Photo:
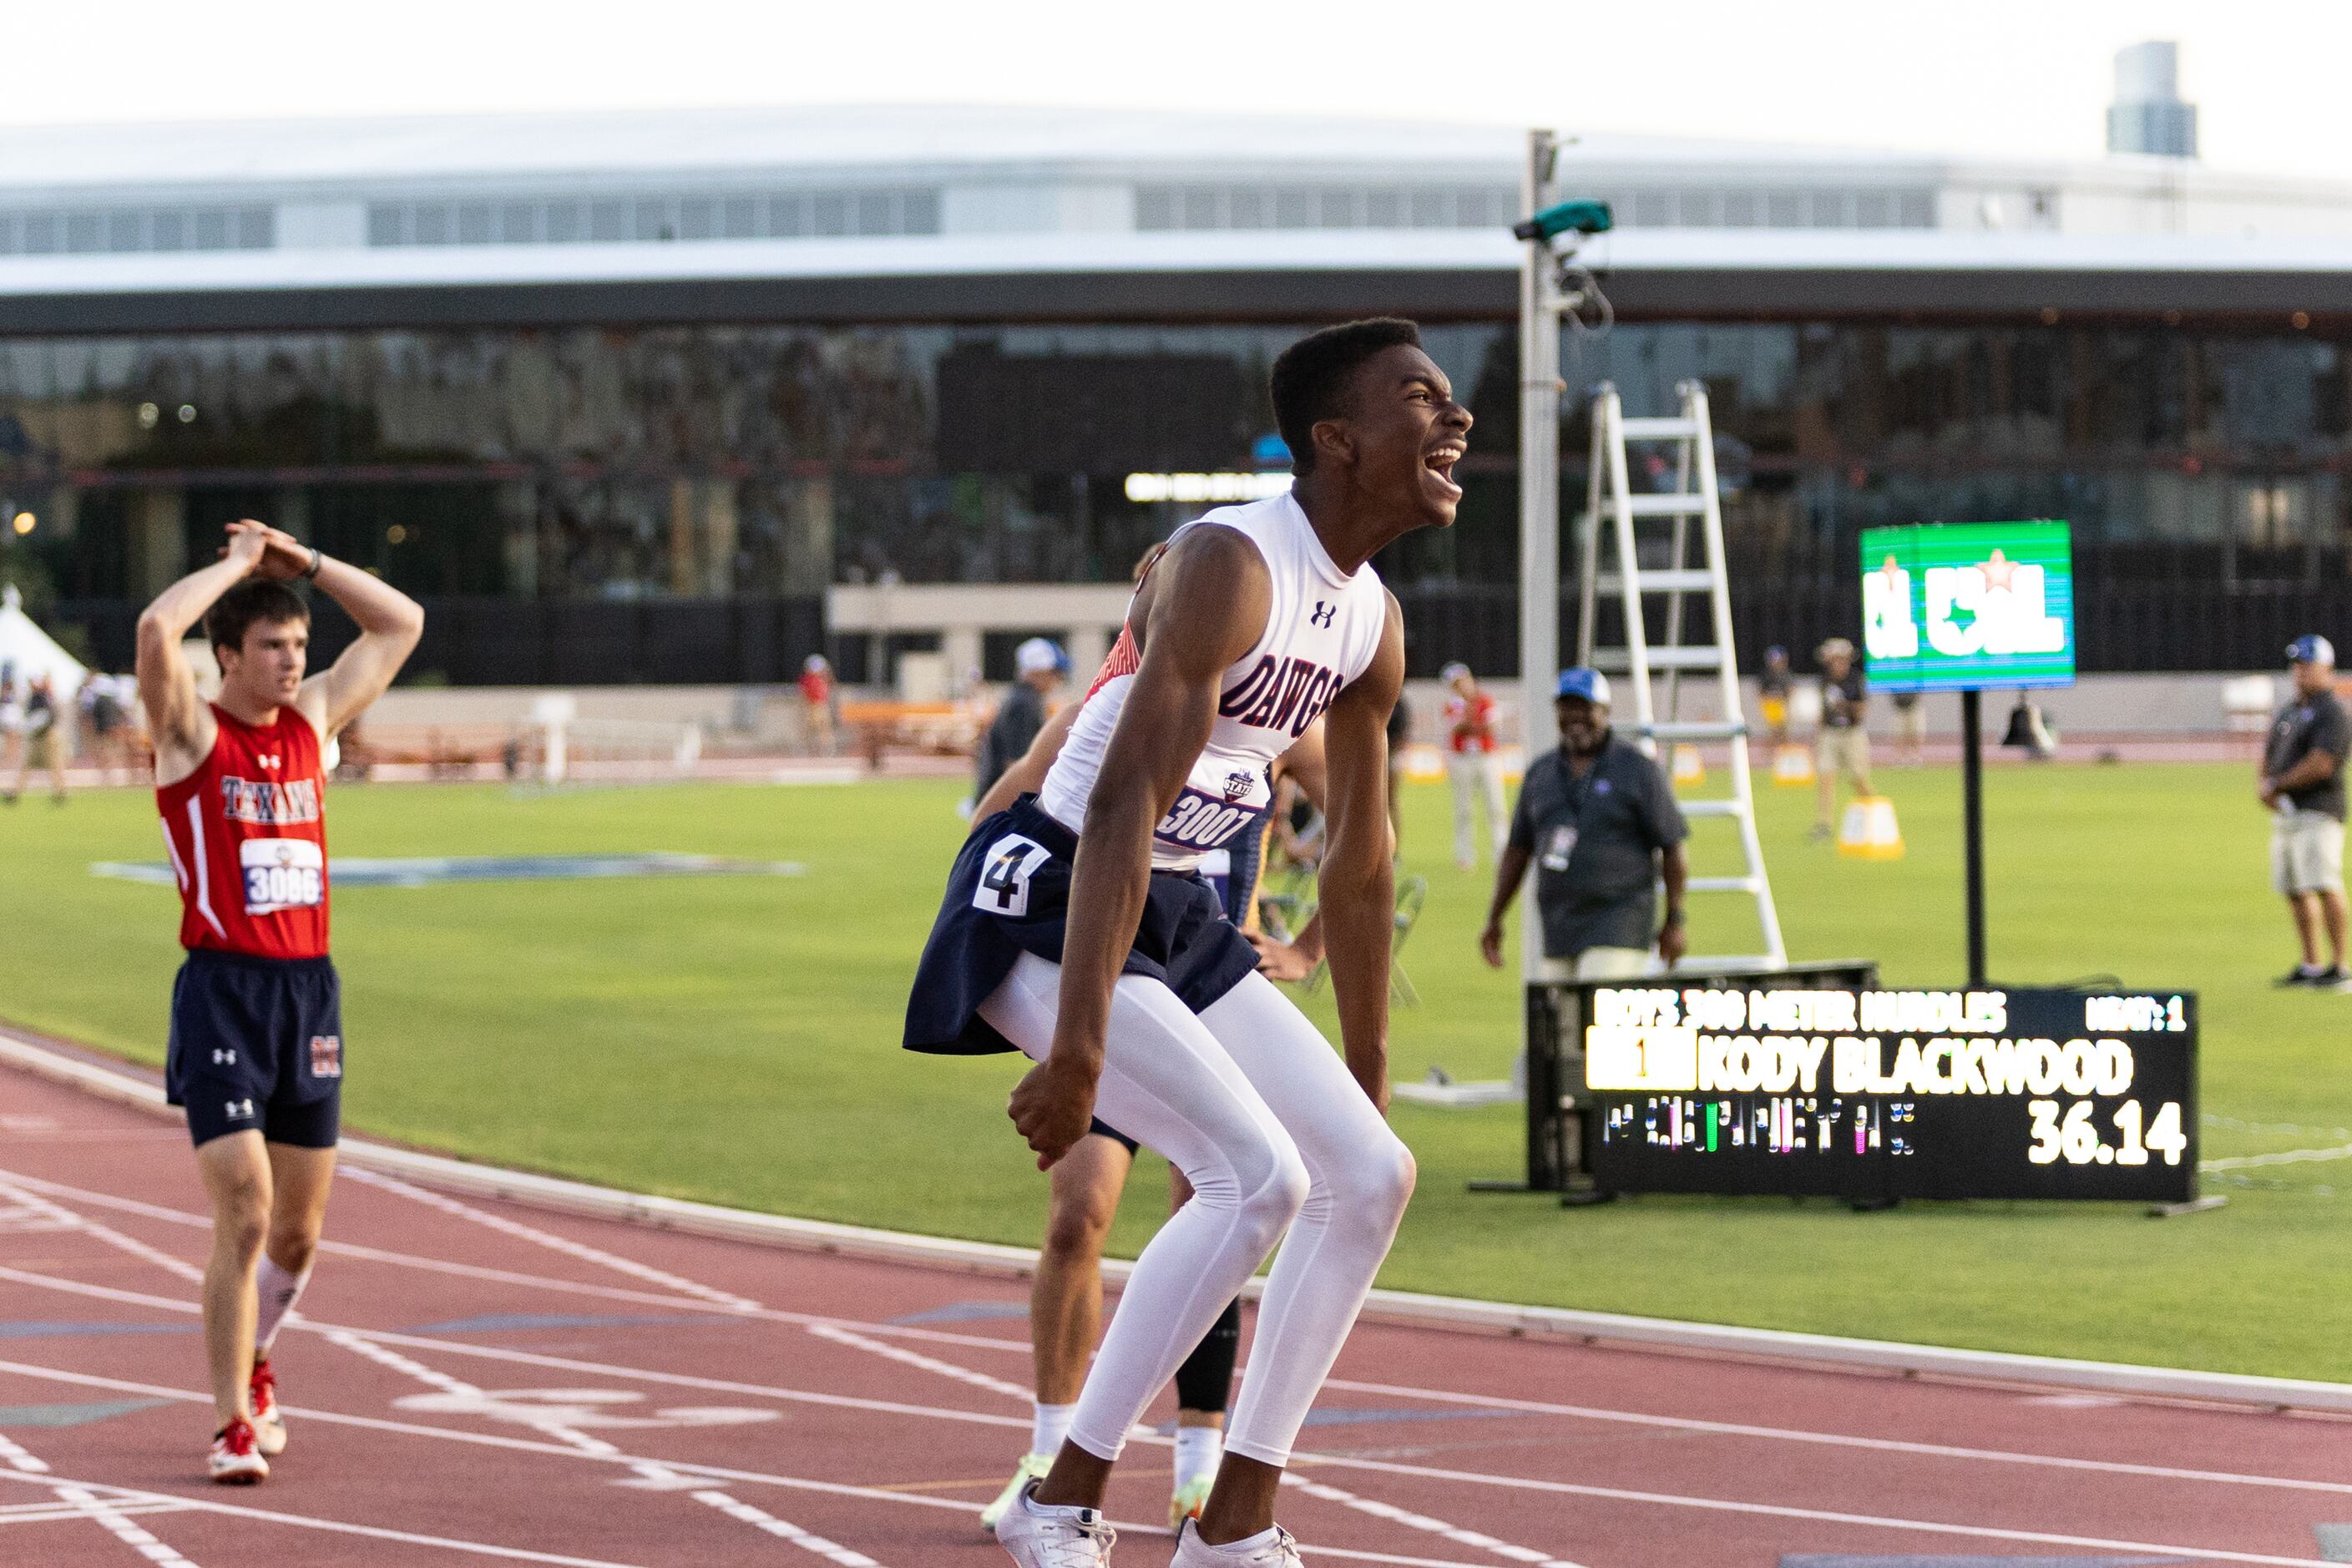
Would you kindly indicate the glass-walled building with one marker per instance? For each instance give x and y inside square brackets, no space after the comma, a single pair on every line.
[647,459]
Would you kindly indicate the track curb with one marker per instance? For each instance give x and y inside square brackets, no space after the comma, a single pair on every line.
[111,1080]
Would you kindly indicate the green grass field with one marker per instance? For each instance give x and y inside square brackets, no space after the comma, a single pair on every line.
[735,1039]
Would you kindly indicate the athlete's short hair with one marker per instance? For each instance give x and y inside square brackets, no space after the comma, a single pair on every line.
[1310,377]
[255,599]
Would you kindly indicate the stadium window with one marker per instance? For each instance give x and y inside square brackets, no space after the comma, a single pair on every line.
[832,214]
[923,211]
[518,223]
[1830,210]
[565,223]
[1739,209]
[650,220]
[40,234]
[383,225]
[874,214]
[1200,208]
[1336,209]
[608,221]
[1247,209]
[788,217]
[697,218]
[1874,209]
[81,233]
[429,225]
[1428,209]
[168,232]
[121,231]
[1291,209]
[1155,208]
[7,234]
[1383,209]
[739,218]
[1914,209]
[257,228]
[1652,209]
[1784,209]
[212,229]
[473,224]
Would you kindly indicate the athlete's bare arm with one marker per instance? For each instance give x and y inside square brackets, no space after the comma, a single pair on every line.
[390,622]
[1027,775]
[178,722]
[1359,882]
[1203,608]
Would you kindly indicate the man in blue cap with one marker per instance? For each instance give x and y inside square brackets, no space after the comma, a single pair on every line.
[1038,665]
[1598,819]
[2302,783]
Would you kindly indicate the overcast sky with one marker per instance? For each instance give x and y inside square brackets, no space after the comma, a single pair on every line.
[1992,77]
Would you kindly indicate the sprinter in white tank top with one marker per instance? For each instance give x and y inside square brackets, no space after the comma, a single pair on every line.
[1257,618]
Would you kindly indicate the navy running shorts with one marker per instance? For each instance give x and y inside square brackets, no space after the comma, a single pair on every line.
[1098,1128]
[257,1046]
[1010,894]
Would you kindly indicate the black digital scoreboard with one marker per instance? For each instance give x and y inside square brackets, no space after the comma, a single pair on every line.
[1875,1095]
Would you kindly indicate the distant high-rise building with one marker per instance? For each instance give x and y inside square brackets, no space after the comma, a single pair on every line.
[2148,115]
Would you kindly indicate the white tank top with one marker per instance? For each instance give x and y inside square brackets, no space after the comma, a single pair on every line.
[1323,631]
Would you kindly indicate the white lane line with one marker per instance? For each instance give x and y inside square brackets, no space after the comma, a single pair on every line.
[57,1512]
[344,1527]
[119,1525]
[759,1519]
[1424,1523]
[178,1267]
[510,1277]
[929,1363]
[1018,1347]
[549,1239]
[2279,1157]
[1840,1440]
[20,1458]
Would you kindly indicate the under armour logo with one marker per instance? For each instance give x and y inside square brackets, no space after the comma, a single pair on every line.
[1322,614]
[269,762]
[223,1058]
[238,1110]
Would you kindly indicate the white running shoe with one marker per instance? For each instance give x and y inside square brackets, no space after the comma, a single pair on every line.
[268,1426]
[1032,1467]
[1191,1552]
[1044,1536]
[236,1460]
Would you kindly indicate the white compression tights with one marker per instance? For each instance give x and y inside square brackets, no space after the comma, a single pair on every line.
[1252,1104]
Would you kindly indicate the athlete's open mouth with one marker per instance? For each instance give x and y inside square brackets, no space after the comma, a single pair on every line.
[1440,460]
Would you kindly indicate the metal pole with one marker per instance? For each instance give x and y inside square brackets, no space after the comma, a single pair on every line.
[1539,501]
[1972,824]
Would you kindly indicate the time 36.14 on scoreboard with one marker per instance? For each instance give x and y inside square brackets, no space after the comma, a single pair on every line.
[1893,1094]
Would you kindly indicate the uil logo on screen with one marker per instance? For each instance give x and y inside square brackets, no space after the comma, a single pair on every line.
[326,1055]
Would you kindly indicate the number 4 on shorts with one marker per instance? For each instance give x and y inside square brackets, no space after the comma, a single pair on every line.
[1004,875]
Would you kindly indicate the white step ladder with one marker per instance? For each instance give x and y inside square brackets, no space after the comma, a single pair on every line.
[1611,508]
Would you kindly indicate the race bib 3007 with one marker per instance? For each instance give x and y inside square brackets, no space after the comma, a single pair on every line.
[1200,821]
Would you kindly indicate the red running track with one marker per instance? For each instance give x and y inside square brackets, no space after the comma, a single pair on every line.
[474,1382]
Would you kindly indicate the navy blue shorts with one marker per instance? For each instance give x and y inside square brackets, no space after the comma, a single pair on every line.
[1010,894]
[257,1046]
[1098,1128]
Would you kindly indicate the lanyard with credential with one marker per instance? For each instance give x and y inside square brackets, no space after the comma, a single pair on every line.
[1561,844]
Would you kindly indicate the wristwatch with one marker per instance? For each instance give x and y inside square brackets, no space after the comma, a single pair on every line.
[318,559]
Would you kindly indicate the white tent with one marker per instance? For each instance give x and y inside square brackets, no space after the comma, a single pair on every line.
[30,651]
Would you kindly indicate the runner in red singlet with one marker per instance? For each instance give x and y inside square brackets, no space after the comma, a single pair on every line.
[257,1049]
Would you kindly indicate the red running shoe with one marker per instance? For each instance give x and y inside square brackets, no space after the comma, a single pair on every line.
[269,1426]
[235,1459]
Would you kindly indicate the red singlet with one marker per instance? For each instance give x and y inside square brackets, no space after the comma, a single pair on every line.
[247,835]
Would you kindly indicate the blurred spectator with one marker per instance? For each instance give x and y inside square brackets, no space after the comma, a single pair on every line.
[1598,819]
[1843,746]
[1040,664]
[2303,782]
[1471,764]
[1772,689]
[1910,730]
[37,743]
[105,701]
[12,720]
[816,704]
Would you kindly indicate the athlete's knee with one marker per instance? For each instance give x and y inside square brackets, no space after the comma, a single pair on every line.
[1371,1184]
[1077,1228]
[241,1219]
[1280,1191]
[293,1242]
